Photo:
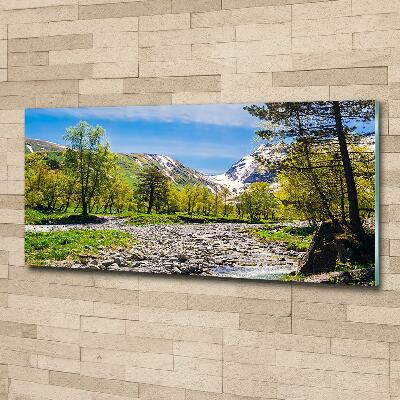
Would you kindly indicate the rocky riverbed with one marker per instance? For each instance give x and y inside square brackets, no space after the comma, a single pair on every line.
[221,249]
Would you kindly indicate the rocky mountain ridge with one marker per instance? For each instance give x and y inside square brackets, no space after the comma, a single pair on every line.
[248,169]
[237,178]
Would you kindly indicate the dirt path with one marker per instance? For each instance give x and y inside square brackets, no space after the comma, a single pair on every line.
[203,249]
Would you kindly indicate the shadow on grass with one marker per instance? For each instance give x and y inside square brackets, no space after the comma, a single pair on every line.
[34,217]
[80,219]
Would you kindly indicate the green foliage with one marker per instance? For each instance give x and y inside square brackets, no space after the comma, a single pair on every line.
[85,177]
[293,277]
[299,197]
[45,182]
[89,161]
[144,219]
[313,119]
[348,266]
[35,217]
[181,218]
[304,231]
[210,218]
[153,188]
[257,202]
[44,247]
[320,174]
[129,168]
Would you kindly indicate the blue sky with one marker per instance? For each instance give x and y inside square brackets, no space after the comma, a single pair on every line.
[208,138]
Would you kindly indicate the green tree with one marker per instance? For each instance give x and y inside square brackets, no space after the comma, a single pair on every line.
[172,201]
[225,194]
[298,195]
[152,187]
[36,174]
[257,201]
[218,198]
[46,183]
[89,159]
[206,200]
[313,123]
[190,197]
[116,196]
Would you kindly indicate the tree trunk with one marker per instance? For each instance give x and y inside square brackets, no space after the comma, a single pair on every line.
[67,203]
[342,200]
[84,207]
[354,212]
[315,181]
[151,201]
[313,177]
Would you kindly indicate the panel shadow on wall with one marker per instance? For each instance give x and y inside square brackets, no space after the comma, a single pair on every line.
[281,191]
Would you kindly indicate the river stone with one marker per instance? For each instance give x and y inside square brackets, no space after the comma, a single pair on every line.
[212,249]
[182,258]
[107,263]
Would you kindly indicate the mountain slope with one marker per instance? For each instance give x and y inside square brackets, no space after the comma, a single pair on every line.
[180,174]
[34,145]
[248,170]
[132,164]
[238,177]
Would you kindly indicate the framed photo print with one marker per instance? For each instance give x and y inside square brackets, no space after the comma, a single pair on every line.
[265,191]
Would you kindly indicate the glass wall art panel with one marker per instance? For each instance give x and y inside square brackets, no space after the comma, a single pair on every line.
[279,191]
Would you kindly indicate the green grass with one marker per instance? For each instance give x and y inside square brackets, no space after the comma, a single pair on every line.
[129,168]
[293,278]
[294,238]
[42,247]
[299,231]
[180,218]
[347,266]
[210,218]
[143,219]
[34,217]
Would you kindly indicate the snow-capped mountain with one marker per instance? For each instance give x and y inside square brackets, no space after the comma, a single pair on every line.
[178,173]
[238,177]
[244,172]
[368,141]
[248,169]
[33,145]
[132,164]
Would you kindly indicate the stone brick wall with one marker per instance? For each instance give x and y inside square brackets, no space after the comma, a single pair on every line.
[69,335]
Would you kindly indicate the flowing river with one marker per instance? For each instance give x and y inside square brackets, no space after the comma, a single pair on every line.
[214,249]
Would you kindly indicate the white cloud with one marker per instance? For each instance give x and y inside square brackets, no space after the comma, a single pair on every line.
[216,114]
[178,148]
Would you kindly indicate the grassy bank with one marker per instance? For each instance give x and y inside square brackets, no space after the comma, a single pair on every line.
[34,217]
[44,247]
[179,218]
[294,238]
